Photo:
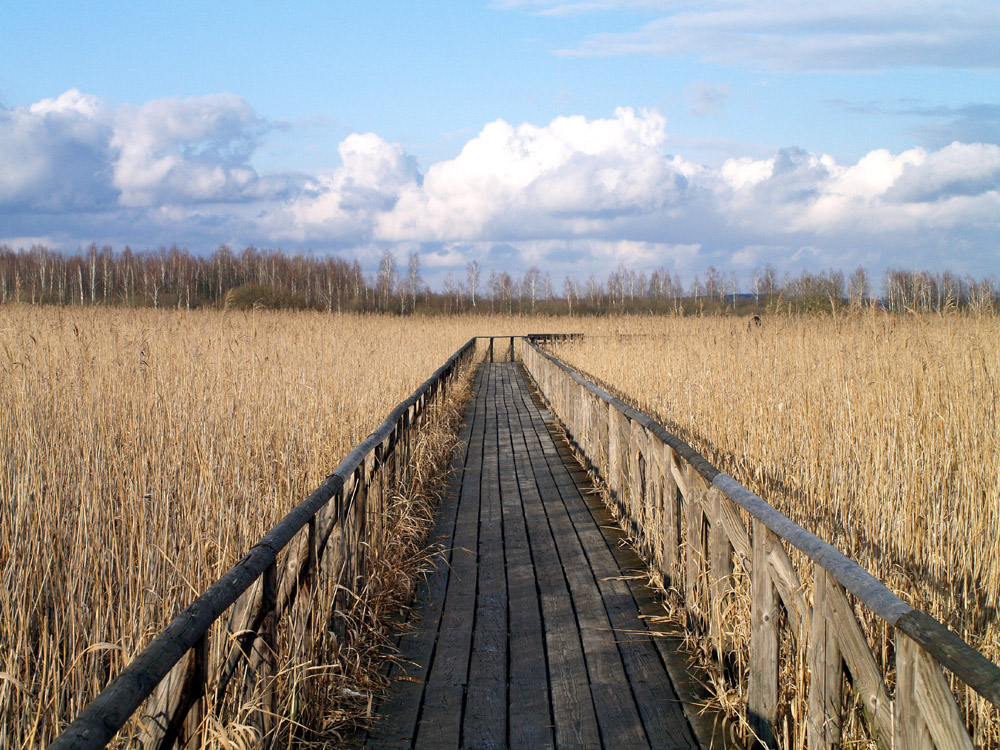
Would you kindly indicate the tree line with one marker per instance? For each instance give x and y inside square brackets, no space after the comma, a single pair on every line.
[260,278]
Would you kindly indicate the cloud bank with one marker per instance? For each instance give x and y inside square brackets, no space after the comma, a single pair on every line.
[575,195]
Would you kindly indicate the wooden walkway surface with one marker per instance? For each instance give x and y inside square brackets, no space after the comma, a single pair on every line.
[530,635]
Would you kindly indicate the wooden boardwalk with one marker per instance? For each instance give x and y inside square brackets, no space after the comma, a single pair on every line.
[530,635]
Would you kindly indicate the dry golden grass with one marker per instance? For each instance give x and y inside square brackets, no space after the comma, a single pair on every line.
[143,452]
[878,433]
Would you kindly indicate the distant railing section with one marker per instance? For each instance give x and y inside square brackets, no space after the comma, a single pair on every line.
[322,545]
[684,516]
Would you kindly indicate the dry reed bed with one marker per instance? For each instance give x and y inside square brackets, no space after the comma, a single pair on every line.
[878,433]
[143,452]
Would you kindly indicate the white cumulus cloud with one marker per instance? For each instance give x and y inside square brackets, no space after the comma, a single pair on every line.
[75,152]
[574,195]
[185,150]
[571,176]
[54,154]
[348,200]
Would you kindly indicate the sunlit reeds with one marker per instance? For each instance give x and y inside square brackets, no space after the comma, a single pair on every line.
[143,452]
[877,432]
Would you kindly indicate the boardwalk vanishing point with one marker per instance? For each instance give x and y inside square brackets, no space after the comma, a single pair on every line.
[529,633]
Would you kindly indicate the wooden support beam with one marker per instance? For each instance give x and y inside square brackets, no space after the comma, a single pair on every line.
[193,735]
[763,689]
[937,704]
[614,476]
[671,519]
[909,728]
[866,676]
[721,570]
[826,671]
[696,554]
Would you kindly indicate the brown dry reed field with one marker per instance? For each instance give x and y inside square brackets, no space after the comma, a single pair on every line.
[142,452]
[879,433]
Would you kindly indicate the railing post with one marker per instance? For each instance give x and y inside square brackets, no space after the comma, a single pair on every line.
[826,669]
[187,716]
[763,689]
[696,549]
[302,628]
[925,711]
[671,517]
[264,654]
[613,477]
[638,470]
[909,729]
[721,560]
[199,676]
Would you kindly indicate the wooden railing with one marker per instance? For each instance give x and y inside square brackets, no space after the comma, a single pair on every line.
[684,516]
[323,543]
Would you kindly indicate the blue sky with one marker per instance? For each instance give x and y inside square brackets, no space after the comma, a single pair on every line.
[570,135]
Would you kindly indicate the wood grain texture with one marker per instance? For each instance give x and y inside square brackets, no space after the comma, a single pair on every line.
[826,673]
[763,689]
[536,639]
[909,729]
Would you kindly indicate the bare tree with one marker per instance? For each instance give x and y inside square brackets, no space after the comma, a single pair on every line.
[472,279]
[756,280]
[715,285]
[569,289]
[494,287]
[858,287]
[531,284]
[594,291]
[386,280]
[449,291]
[506,285]
[769,281]
[413,279]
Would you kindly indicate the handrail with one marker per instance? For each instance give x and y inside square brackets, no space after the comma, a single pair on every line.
[649,484]
[106,714]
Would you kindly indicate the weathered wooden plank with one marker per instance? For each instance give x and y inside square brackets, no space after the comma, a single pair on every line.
[671,519]
[695,550]
[721,569]
[786,581]
[485,715]
[762,698]
[909,729]
[826,673]
[662,718]
[953,653]
[735,529]
[530,717]
[865,673]
[407,676]
[617,713]
[941,714]
[573,709]
[441,716]
[615,471]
